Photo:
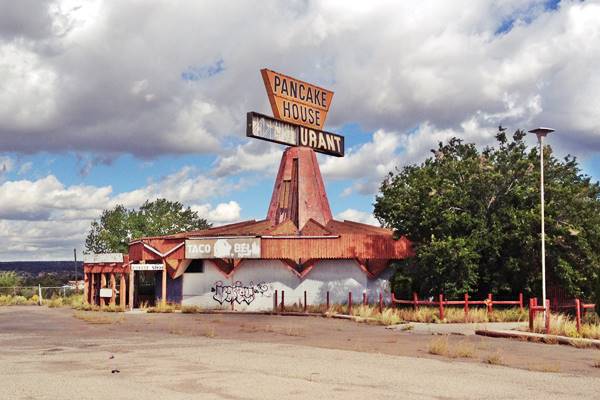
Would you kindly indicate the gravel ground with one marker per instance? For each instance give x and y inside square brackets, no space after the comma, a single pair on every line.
[49,354]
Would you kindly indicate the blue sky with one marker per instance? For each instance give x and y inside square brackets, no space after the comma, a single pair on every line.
[105,103]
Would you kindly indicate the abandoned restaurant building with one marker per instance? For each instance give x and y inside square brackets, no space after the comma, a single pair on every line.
[298,248]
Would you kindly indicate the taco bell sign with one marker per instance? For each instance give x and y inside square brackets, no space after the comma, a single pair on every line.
[238,247]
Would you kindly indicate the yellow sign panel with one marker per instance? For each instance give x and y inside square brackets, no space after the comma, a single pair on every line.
[296,101]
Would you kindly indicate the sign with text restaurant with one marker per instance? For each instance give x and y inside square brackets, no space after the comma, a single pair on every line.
[266,128]
[300,109]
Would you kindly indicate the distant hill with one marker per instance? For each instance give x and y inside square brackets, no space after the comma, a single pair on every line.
[36,267]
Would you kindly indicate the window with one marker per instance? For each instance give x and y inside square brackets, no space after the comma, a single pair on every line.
[195,267]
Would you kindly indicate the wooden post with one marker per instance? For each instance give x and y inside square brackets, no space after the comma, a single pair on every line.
[305,309]
[131,288]
[93,288]
[86,287]
[349,303]
[113,287]
[164,284]
[578,314]
[380,302]
[521,301]
[282,300]
[490,302]
[327,301]
[102,285]
[364,298]
[415,300]
[275,302]
[441,297]
[547,316]
[122,291]
[531,314]
[466,304]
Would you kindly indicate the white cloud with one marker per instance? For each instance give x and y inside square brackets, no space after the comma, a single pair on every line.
[351,214]
[221,214]
[181,82]
[254,156]
[45,219]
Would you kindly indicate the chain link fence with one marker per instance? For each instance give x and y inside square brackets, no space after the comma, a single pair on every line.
[34,294]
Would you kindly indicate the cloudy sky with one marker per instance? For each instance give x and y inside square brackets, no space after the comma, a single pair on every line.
[105,103]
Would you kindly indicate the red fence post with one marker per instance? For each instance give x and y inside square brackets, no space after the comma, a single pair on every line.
[364,298]
[490,302]
[578,314]
[282,300]
[441,307]
[327,301]
[349,303]
[416,300]
[466,304]
[521,301]
[531,314]
[275,302]
[305,301]
[547,316]
[380,302]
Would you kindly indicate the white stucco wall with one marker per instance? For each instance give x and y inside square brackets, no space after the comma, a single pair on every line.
[258,280]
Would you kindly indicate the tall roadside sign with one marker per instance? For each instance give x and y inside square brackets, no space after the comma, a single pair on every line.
[300,111]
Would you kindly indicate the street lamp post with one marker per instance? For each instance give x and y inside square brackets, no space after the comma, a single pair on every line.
[541,134]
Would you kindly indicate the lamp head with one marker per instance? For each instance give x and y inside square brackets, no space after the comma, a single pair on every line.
[541,131]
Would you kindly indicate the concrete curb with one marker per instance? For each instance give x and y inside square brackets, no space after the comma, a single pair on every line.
[540,338]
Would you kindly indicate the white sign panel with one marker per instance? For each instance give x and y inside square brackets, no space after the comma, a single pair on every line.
[147,267]
[106,292]
[103,258]
[242,247]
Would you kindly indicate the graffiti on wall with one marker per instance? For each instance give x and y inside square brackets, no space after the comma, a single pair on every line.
[238,292]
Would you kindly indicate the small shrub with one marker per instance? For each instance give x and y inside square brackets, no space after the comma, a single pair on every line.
[191,309]
[54,302]
[465,350]
[544,367]
[438,346]
[494,359]
[163,308]
[209,332]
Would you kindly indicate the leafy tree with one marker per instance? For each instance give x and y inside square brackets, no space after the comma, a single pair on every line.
[118,226]
[10,279]
[474,220]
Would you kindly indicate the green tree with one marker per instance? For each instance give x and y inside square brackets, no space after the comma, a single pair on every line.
[474,220]
[118,226]
[10,279]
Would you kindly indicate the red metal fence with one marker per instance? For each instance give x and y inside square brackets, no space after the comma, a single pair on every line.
[442,303]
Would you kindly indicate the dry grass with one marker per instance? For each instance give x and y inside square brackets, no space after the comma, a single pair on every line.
[494,358]
[163,308]
[465,350]
[438,346]
[209,332]
[554,367]
[191,309]
[564,325]
[293,331]
[93,318]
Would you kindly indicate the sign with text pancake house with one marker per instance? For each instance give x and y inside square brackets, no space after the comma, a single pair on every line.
[296,101]
[273,130]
